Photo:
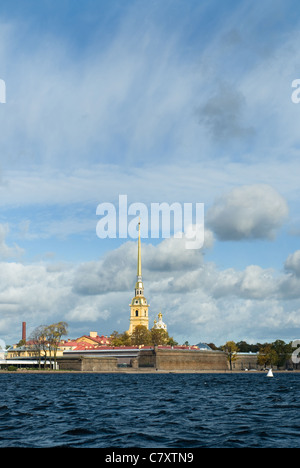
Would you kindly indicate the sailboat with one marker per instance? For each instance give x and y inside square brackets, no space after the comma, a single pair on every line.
[270,373]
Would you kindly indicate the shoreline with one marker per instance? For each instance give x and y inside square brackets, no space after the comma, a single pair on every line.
[146,371]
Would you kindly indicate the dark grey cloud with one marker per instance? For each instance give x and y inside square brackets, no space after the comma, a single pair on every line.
[223,113]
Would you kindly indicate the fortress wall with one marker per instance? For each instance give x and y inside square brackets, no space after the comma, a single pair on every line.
[160,359]
[246,361]
[194,360]
[99,364]
[70,363]
[89,363]
[147,358]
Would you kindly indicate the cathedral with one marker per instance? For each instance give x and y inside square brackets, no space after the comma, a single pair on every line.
[139,305]
[160,325]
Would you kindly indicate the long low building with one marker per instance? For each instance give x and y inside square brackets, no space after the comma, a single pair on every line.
[24,362]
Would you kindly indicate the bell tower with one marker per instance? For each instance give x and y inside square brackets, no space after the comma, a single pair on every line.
[139,306]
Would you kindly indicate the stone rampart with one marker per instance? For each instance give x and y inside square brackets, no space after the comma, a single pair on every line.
[183,360]
[89,363]
[152,359]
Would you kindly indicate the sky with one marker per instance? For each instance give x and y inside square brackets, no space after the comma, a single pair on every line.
[170,101]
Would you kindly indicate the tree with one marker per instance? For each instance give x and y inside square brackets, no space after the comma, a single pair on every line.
[120,339]
[212,346]
[38,343]
[171,341]
[283,352]
[161,337]
[244,347]
[141,336]
[231,349]
[267,355]
[46,338]
[274,354]
[54,333]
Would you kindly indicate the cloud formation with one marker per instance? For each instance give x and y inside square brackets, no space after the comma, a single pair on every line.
[292,263]
[248,212]
[222,115]
[214,303]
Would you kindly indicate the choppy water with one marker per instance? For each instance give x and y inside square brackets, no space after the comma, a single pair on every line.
[150,410]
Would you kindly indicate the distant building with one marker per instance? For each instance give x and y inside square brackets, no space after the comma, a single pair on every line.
[93,339]
[85,342]
[203,346]
[160,325]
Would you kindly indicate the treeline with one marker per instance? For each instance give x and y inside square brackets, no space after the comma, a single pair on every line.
[242,347]
[276,354]
[142,336]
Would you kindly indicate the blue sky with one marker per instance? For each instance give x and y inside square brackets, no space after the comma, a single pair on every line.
[173,101]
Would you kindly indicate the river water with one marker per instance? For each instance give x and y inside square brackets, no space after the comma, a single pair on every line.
[150,410]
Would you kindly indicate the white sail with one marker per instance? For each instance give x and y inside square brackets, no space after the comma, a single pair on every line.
[270,373]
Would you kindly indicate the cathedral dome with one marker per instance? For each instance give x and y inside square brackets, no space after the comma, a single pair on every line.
[160,325]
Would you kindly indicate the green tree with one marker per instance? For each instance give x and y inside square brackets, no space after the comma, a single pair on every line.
[244,347]
[161,337]
[212,346]
[267,355]
[283,352]
[141,336]
[120,339]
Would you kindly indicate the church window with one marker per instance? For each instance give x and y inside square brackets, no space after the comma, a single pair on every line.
[136,313]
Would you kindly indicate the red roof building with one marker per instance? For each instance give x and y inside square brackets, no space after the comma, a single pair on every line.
[91,341]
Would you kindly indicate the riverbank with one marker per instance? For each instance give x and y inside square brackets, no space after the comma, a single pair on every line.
[143,371]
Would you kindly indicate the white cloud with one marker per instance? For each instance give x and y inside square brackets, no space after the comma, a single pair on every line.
[258,283]
[213,304]
[248,212]
[292,263]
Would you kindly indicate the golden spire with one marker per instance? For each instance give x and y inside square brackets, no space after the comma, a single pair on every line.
[139,264]
[139,306]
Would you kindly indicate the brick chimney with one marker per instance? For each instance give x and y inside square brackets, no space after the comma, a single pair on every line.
[24,331]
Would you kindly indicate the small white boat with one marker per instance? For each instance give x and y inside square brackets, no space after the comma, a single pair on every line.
[270,373]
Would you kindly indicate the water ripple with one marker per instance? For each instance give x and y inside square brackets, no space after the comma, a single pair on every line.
[149,410]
